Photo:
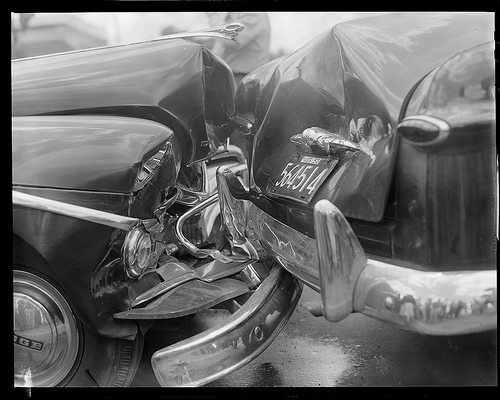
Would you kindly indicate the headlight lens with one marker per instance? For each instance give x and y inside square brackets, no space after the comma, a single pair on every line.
[136,250]
[148,168]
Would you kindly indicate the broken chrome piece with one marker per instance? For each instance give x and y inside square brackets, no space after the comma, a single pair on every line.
[237,340]
[175,273]
[71,210]
[208,172]
[245,250]
[233,158]
[341,260]
[171,249]
[193,250]
[190,197]
[171,197]
[235,222]
[253,274]
[189,298]
[160,289]
[206,203]
[172,269]
[327,141]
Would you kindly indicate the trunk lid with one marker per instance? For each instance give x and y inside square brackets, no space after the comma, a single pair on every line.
[351,81]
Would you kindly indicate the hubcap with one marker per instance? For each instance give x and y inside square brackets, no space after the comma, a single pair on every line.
[45,332]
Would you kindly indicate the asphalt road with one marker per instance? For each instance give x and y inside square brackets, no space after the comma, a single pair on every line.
[356,352]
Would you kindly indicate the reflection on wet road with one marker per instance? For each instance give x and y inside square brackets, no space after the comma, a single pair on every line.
[288,361]
[360,351]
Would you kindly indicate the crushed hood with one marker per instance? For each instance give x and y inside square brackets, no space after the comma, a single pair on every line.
[171,78]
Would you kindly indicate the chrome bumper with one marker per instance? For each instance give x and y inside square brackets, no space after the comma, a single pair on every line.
[335,264]
[218,351]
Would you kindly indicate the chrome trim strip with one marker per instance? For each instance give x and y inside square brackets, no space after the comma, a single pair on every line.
[71,210]
[193,250]
[228,32]
[218,351]
[434,303]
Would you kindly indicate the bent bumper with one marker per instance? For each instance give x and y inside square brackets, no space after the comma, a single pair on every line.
[218,351]
[335,264]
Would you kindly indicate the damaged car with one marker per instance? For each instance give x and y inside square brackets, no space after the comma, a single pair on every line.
[374,172]
[116,224]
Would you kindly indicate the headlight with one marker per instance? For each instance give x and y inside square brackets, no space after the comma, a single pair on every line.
[148,168]
[136,250]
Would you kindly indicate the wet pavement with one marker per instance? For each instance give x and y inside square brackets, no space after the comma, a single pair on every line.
[358,351]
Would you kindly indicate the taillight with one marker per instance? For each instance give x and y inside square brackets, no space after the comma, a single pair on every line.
[423,130]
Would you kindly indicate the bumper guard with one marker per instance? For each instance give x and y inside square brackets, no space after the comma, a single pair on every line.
[242,336]
[335,264]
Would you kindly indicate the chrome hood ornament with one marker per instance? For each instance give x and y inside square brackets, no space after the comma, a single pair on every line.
[228,32]
[327,141]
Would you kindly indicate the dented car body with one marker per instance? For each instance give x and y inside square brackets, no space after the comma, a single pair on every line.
[114,157]
[374,171]
[370,174]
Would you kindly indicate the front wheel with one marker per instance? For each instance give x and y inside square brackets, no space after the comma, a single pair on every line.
[52,347]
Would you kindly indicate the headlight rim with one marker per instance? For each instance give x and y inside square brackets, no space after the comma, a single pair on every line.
[136,241]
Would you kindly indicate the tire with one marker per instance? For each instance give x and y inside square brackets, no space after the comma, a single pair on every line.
[52,347]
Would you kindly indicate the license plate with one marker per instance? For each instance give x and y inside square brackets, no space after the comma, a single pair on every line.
[302,176]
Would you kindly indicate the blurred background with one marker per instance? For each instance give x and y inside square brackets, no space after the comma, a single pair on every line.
[44,33]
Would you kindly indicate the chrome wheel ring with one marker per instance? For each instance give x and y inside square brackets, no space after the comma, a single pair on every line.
[45,333]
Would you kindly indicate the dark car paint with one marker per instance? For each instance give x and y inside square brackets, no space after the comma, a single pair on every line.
[92,254]
[367,68]
[86,152]
[83,123]
[161,80]
[446,192]
[86,246]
